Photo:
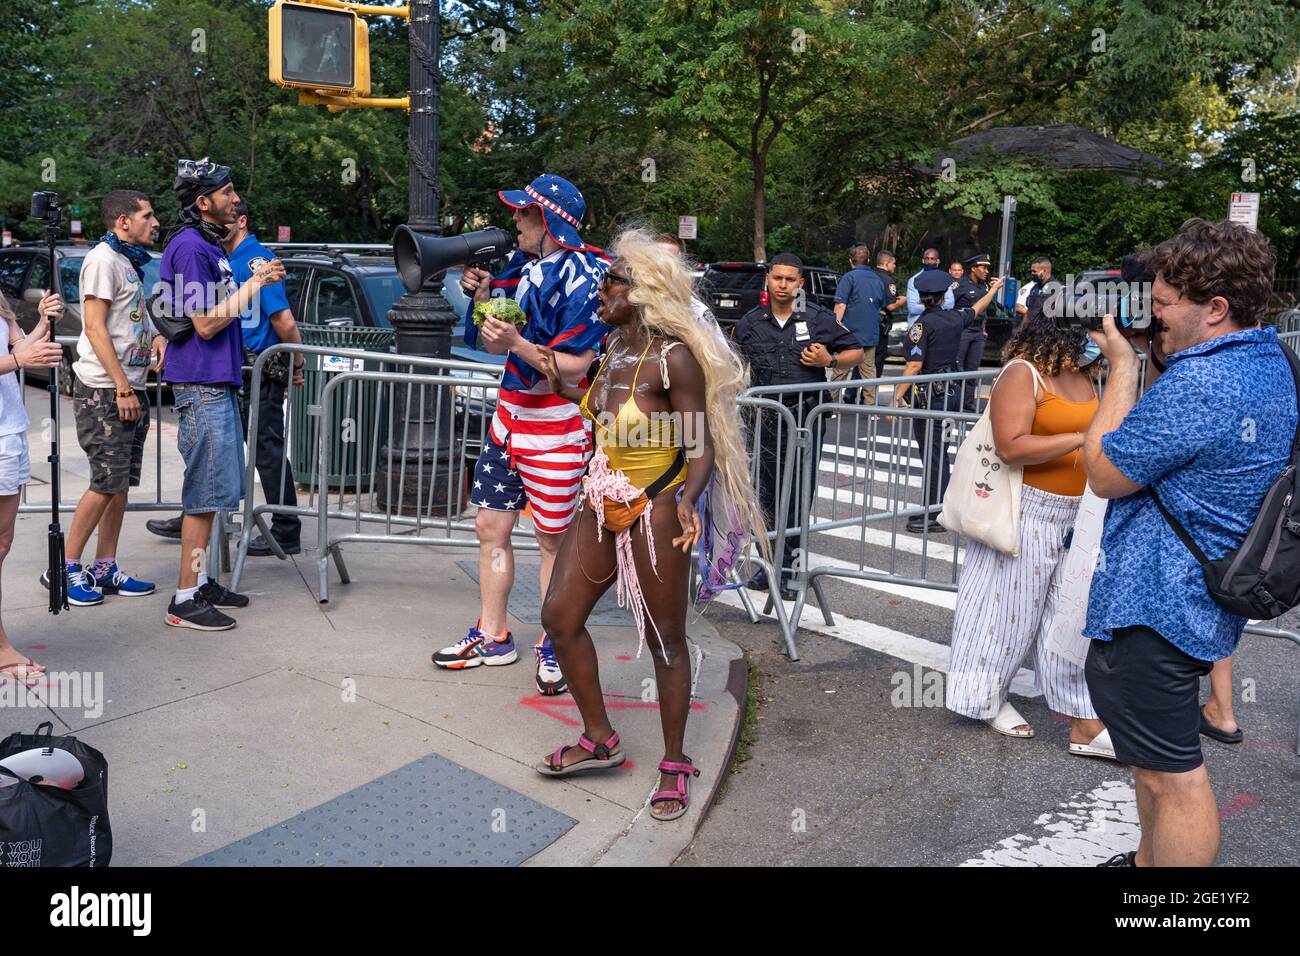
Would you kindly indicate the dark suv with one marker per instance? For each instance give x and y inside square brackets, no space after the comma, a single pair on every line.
[731,289]
[340,285]
[25,274]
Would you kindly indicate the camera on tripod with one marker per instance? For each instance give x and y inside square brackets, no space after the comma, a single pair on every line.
[49,207]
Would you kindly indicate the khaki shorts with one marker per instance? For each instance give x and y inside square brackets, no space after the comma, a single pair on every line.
[114,448]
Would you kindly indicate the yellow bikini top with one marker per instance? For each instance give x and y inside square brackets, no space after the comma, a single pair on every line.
[639,445]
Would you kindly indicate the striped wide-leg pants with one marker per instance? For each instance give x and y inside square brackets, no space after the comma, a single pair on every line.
[1005,605]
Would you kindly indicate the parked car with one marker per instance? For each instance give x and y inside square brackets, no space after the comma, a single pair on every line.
[340,285]
[731,289]
[25,275]
[999,320]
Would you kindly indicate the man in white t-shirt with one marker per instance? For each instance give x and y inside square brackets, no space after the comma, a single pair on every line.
[114,352]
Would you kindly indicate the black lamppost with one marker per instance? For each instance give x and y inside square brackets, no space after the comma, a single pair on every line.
[419,445]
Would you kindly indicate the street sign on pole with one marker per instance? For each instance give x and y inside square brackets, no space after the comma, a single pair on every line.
[1006,242]
[74,227]
[282,234]
[1244,208]
[687,226]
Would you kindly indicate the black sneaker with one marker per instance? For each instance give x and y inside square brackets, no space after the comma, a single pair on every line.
[918,525]
[214,594]
[166,527]
[259,547]
[198,614]
[1122,859]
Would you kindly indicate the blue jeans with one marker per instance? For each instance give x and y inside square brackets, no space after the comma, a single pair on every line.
[210,439]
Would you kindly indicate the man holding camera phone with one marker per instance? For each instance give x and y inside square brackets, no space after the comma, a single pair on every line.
[205,369]
[1209,437]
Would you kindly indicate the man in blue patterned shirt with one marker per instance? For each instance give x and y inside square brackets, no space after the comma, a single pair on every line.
[1210,436]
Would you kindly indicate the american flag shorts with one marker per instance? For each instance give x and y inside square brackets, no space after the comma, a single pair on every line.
[536,452]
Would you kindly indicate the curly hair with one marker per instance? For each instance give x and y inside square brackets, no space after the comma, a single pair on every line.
[661,292]
[1228,259]
[1050,347]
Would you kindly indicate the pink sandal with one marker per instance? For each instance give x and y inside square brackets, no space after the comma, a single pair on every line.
[684,771]
[601,758]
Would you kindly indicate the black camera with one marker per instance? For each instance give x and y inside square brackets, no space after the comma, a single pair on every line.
[1124,293]
[47,206]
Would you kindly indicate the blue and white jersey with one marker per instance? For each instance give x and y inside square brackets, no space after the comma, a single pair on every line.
[558,295]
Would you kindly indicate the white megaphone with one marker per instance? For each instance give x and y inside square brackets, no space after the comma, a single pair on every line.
[52,765]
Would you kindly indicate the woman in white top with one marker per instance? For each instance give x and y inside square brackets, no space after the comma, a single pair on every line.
[18,351]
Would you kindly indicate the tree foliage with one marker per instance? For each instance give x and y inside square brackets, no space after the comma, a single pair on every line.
[780,124]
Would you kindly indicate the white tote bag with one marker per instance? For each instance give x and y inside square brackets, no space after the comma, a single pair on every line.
[1071,585]
[983,497]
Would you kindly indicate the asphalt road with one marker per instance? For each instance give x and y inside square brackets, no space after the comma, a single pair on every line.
[856,761]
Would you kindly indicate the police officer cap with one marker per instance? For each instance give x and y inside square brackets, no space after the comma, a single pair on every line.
[934,281]
[979,259]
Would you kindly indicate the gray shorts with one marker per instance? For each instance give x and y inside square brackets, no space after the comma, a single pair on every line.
[15,465]
[114,448]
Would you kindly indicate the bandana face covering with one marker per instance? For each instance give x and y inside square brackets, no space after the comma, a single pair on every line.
[138,256]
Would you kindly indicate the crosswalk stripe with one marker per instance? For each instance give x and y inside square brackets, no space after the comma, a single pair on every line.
[1085,830]
[906,647]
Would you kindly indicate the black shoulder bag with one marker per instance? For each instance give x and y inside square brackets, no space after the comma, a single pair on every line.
[1260,579]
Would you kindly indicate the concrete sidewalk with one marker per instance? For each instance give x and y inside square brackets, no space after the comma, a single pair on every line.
[213,737]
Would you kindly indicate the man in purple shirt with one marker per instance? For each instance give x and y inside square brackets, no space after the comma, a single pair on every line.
[205,372]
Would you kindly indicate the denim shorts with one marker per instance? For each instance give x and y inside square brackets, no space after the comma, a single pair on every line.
[15,463]
[211,441]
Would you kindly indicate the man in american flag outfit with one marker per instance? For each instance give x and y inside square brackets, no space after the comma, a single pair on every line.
[539,443]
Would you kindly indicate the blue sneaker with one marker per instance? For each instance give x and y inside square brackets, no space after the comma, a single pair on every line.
[548,678]
[113,580]
[477,648]
[81,586]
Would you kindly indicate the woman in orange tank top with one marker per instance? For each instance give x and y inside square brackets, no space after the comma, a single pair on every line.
[1041,405]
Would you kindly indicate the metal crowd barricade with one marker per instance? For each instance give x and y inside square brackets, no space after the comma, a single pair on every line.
[891,489]
[813,409]
[445,410]
[218,558]
[784,443]
[158,504]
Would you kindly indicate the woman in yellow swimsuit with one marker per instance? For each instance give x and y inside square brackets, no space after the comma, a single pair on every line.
[668,457]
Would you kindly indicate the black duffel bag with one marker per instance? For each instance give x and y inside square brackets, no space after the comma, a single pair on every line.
[1261,579]
[45,825]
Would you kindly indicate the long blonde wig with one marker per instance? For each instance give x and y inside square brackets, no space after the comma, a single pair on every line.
[661,291]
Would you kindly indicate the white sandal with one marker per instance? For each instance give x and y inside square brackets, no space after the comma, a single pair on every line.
[1007,720]
[1099,746]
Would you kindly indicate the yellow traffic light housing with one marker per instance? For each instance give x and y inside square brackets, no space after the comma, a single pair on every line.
[319,48]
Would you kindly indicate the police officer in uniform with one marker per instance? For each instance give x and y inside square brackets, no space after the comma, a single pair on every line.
[974,293]
[893,301]
[790,341]
[933,344]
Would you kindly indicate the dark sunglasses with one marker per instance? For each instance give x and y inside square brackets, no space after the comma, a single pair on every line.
[609,277]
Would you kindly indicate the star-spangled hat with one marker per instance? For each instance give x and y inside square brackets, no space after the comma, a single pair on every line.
[562,207]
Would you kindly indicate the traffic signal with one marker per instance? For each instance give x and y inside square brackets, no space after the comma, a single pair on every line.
[319,48]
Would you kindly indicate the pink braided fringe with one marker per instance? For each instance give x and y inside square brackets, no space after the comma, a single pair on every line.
[598,484]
